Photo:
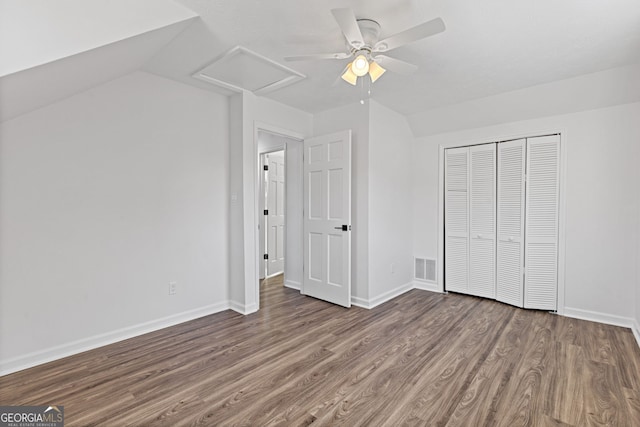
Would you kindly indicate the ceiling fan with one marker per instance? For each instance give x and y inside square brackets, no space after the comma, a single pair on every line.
[364,46]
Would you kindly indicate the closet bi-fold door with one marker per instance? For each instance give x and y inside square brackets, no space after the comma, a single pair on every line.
[482,220]
[541,245]
[510,236]
[457,219]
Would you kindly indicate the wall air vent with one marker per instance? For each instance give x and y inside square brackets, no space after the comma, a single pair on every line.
[242,69]
[425,269]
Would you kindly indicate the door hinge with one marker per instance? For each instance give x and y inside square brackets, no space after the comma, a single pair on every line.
[265,167]
[266,256]
[266,211]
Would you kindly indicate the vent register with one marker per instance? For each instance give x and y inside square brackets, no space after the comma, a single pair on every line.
[425,269]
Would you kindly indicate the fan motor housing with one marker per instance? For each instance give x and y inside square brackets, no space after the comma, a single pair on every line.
[370,30]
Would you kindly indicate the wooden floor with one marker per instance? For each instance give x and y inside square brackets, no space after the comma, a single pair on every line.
[421,359]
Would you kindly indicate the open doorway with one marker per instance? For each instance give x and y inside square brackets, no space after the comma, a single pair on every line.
[279,202]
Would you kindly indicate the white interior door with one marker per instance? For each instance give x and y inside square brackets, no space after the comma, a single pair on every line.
[541,246]
[457,219]
[275,206]
[327,218]
[510,261]
[482,220]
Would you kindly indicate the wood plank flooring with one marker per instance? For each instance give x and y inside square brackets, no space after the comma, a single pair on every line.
[422,359]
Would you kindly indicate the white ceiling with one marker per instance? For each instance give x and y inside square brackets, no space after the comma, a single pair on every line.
[489,47]
[45,84]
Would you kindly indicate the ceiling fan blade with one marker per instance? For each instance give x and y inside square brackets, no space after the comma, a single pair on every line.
[395,65]
[349,26]
[418,32]
[340,55]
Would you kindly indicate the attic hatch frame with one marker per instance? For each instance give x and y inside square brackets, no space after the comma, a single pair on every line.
[234,56]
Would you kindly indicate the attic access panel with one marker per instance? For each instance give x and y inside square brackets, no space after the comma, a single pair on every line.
[242,69]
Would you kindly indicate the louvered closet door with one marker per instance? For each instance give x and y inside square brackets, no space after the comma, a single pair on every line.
[510,251]
[457,219]
[541,246]
[482,220]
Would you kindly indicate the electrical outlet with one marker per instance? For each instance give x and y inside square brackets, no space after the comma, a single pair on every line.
[173,288]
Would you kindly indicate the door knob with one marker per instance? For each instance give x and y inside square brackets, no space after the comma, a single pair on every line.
[342,227]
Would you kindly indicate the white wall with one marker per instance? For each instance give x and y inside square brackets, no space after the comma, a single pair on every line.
[238,142]
[390,203]
[105,198]
[356,118]
[601,212]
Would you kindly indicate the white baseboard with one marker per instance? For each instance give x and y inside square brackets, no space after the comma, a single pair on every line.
[382,298]
[273,275]
[243,308]
[426,286]
[293,284]
[636,330]
[595,316]
[360,302]
[68,349]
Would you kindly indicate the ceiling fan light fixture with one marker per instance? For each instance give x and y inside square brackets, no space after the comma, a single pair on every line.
[360,66]
[349,77]
[375,71]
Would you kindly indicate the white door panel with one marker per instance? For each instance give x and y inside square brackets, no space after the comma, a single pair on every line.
[482,221]
[457,220]
[509,274]
[275,206]
[541,252]
[327,183]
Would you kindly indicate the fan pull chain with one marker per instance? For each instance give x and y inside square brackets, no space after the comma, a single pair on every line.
[366,92]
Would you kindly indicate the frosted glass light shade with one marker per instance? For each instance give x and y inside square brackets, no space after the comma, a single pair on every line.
[360,66]
[349,76]
[375,71]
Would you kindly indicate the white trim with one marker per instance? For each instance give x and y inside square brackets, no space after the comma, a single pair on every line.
[243,309]
[292,284]
[562,218]
[382,298]
[635,328]
[594,316]
[562,201]
[68,349]
[440,257]
[360,302]
[274,274]
[426,285]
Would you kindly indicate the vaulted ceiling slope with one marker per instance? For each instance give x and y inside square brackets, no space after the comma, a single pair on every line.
[489,48]
[53,49]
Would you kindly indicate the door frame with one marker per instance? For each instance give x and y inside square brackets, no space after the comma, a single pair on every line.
[276,130]
[561,214]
